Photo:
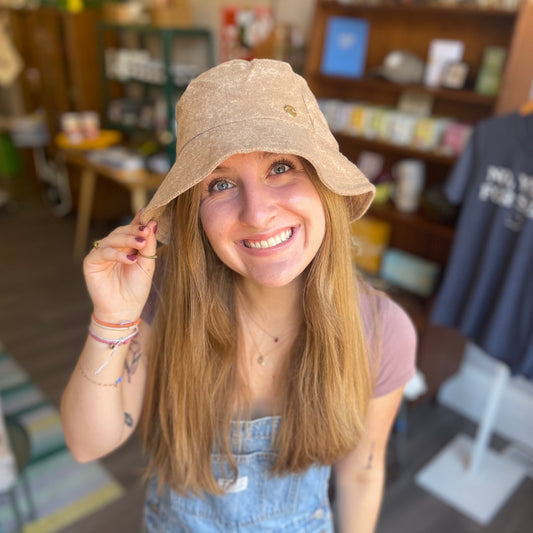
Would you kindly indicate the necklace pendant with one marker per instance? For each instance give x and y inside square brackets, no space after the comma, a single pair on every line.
[261,360]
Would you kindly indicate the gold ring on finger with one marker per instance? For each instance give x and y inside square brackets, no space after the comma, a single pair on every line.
[147,256]
[96,245]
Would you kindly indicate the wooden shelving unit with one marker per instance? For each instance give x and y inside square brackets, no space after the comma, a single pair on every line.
[193,45]
[401,27]
[397,27]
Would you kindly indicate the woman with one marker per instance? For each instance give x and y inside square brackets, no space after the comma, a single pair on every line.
[260,360]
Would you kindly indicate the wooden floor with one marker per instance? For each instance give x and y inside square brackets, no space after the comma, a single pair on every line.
[44,314]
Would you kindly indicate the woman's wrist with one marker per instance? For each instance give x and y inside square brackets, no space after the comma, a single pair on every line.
[120,325]
[112,337]
[112,330]
[113,320]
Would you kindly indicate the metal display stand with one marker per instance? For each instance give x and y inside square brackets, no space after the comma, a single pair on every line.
[467,474]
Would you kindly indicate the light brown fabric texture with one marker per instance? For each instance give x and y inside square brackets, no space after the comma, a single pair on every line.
[247,106]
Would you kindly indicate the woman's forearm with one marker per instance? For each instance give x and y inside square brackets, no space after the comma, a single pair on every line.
[358,502]
[101,403]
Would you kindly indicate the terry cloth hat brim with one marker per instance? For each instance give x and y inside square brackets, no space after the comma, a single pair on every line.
[201,156]
[290,124]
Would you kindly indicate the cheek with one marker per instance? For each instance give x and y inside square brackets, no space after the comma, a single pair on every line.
[213,223]
[319,229]
[309,204]
[208,222]
[317,222]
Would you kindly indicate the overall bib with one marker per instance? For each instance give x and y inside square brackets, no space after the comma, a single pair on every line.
[257,502]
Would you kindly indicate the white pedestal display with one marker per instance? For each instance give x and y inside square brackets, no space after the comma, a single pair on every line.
[467,474]
[479,495]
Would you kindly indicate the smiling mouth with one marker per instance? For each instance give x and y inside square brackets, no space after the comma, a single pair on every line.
[270,243]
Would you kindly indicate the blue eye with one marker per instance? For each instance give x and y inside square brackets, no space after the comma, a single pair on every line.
[220,186]
[280,168]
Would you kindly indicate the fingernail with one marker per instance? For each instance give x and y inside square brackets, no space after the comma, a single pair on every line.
[141,228]
[140,239]
[155,228]
[132,257]
[141,209]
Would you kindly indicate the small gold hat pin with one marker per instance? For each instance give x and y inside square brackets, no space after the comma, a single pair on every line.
[290,110]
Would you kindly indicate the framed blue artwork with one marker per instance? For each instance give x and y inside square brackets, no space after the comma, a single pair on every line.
[345,47]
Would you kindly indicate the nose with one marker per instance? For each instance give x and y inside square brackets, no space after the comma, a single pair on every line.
[258,205]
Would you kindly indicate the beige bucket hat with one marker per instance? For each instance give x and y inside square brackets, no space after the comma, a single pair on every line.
[246,106]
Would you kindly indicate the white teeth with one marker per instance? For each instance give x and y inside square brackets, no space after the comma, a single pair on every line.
[273,241]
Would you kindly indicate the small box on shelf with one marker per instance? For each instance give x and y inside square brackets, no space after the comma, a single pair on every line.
[491,71]
[410,272]
[370,238]
[122,12]
[171,14]
[441,53]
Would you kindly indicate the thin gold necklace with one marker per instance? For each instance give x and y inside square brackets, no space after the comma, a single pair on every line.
[261,358]
[275,338]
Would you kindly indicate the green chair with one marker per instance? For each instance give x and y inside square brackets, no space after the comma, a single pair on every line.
[20,445]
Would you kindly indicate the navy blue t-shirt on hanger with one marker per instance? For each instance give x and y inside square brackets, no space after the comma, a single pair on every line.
[487,290]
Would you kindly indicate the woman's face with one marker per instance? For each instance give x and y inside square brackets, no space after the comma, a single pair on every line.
[263,216]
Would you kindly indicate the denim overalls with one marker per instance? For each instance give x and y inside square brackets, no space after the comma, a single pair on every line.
[256,502]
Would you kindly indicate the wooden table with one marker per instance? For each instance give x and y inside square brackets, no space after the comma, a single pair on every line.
[138,182]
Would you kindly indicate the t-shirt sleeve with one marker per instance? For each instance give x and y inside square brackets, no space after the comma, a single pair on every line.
[457,183]
[393,352]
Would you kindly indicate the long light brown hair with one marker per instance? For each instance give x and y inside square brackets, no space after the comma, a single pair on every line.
[194,380]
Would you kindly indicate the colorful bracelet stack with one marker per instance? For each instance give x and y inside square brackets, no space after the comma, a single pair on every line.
[120,325]
[113,344]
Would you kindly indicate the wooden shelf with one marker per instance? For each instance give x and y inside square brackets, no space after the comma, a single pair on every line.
[413,220]
[436,9]
[368,82]
[157,30]
[349,143]
[152,84]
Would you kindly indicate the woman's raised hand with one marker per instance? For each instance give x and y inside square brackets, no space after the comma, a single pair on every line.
[118,277]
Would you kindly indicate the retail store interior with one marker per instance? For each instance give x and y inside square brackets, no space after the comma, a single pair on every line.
[433,100]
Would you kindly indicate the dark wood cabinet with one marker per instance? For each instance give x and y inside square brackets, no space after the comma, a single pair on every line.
[60,54]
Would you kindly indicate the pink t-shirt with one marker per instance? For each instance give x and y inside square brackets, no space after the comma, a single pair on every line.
[391,338]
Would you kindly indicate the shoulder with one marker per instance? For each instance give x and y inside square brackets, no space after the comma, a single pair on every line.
[391,340]
[377,307]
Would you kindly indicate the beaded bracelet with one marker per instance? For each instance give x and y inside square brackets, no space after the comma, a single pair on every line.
[113,344]
[120,325]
